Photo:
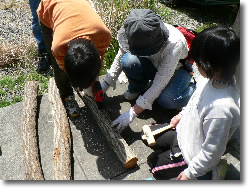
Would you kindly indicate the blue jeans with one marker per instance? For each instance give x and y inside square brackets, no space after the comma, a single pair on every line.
[36,27]
[140,70]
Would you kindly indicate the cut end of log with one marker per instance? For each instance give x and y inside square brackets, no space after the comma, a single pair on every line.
[131,163]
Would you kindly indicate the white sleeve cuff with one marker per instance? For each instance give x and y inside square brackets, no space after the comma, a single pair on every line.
[110,80]
[143,103]
[188,174]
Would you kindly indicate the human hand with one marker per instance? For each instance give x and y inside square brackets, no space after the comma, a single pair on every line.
[182,176]
[104,86]
[122,78]
[124,120]
[175,120]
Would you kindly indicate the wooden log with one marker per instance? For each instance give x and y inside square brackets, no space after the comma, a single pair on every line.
[62,134]
[29,132]
[116,142]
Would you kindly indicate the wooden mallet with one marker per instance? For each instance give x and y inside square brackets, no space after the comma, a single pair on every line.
[149,134]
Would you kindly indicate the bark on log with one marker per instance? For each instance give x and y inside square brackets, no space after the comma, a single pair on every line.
[116,142]
[62,134]
[29,132]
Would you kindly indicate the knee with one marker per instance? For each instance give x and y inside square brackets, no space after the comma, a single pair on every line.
[170,99]
[166,101]
[129,61]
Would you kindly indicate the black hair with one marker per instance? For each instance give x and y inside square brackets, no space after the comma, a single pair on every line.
[217,49]
[82,63]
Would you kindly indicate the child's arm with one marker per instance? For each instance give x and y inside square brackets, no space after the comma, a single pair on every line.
[115,70]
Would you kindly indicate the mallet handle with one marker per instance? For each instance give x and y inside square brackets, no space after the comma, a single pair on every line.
[161,130]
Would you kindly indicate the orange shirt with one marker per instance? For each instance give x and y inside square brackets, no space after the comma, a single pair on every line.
[71,19]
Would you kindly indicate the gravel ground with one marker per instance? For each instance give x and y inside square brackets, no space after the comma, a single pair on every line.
[15,32]
[15,24]
[197,17]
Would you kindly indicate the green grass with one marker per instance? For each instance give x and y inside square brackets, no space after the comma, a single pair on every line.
[20,61]
[17,64]
[12,86]
[7,86]
[110,55]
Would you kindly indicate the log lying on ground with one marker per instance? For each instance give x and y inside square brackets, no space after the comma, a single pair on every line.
[29,132]
[62,134]
[116,142]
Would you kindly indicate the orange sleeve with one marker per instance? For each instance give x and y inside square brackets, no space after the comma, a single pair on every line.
[43,12]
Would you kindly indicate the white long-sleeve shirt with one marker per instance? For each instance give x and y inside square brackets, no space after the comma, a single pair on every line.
[208,121]
[165,61]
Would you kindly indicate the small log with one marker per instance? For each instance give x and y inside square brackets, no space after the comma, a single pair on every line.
[29,133]
[62,134]
[116,142]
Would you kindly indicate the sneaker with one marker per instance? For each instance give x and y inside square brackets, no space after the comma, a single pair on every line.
[44,63]
[71,106]
[131,96]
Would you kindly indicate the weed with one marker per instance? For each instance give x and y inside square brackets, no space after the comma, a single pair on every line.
[114,12]
[110,55]
[4,103]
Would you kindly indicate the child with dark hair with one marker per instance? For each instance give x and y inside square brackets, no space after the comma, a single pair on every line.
[82,62]
[76,38]
[211,116]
